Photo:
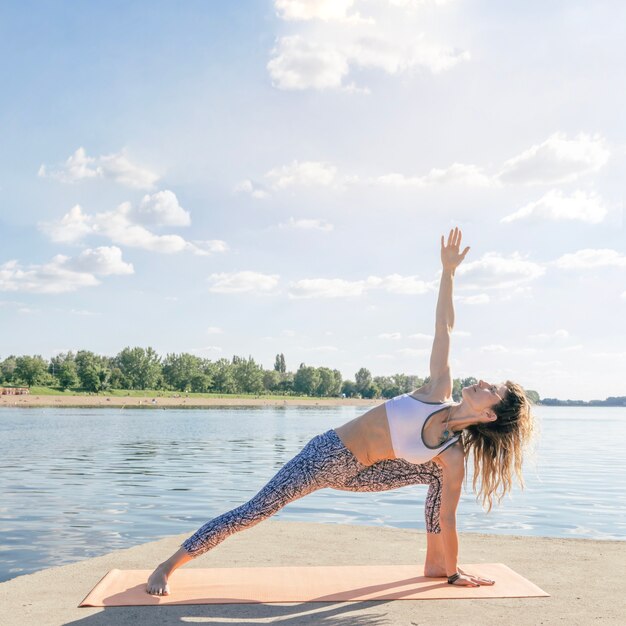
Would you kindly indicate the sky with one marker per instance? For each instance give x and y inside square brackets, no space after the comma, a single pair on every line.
[258,177]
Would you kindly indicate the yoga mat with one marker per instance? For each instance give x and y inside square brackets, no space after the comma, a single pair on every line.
[344,583]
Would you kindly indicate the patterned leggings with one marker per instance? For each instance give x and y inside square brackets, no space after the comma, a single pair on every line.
[323,462]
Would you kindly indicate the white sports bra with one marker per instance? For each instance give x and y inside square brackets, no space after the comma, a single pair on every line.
[407,417]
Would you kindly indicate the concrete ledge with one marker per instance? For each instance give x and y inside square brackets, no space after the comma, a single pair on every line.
[581,575]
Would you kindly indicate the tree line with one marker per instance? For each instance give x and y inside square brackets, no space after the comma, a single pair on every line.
[142,368]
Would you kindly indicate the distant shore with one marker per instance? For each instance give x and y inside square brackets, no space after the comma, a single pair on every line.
[155,401]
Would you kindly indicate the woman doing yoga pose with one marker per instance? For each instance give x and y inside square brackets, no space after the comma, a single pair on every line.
[418,438]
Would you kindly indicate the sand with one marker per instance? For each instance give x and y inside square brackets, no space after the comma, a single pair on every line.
[584,578]
[28,400]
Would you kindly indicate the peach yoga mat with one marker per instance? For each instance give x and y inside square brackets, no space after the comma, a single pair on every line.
[344,583]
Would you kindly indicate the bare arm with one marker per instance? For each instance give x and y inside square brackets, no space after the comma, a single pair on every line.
[453,473]
[452,461]
[451,258]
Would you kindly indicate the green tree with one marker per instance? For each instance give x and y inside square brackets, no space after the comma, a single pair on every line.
[248,375]
[7,369]
[271,380]
[348,388]
[93,371]
[179,370]
[387,385]
[31,370]
[141,368]
[223,380]
[306,380]
[286,383]
[326,386]
[456,389]
[63,369]
[534,398]
[279,363]
[363,381]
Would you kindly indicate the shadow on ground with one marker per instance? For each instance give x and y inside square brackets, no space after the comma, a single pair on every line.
[337,614]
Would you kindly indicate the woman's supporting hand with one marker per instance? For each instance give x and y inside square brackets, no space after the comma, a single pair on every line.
[469,580]
[451,258]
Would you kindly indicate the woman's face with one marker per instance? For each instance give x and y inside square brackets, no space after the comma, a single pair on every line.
[484,395]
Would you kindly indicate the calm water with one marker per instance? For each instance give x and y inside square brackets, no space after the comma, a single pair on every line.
[77,483]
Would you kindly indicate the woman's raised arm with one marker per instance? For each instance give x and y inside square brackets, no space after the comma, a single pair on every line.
[451,258]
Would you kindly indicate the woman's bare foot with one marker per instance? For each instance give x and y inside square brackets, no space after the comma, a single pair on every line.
[157,583]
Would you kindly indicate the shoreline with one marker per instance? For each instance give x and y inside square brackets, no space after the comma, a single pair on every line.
[575,572]
[156,402]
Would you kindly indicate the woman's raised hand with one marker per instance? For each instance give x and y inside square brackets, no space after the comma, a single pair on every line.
[450,256]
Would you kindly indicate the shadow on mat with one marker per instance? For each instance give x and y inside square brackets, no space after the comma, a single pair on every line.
[337,614]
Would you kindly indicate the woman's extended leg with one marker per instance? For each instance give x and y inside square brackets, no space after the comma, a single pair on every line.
[323,462]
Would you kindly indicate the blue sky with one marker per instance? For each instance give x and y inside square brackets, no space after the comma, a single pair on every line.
[261,177]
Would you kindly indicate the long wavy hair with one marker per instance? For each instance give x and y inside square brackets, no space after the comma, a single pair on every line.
[498,447]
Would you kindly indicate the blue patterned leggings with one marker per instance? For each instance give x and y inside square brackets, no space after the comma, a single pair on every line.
[323,462]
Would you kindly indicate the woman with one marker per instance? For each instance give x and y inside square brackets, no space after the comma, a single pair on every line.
[422,437]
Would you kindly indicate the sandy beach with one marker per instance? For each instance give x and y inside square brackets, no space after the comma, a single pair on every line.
[155,401]
[582,577]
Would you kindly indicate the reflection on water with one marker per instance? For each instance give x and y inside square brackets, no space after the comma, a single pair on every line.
[76,483]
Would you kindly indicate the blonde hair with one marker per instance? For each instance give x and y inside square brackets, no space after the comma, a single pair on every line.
[498,447]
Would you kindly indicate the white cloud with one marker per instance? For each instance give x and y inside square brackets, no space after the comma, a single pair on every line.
[241,282]
[161,209]
[122,170]
[77,167]
[214,330]
[494,347]
[63,274]
[557,160]
[103,260]
[116,167]
[340,288]
[254,189]
[207,247]
[405,285]
[421,337]
[395,57]
[455,174]
[327,288]
[311,173]
[73,226]
[298,64]
[591,258]
[306,224]
[390,336]
[555,205]
[481,298]
[121,227]
[494,271]
[623,296]
[322,56]
[50,278]
[326,10]
[206,350]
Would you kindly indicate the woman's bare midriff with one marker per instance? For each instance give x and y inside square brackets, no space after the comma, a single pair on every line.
[368,436]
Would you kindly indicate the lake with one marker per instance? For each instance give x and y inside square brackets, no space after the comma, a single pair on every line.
[77,483]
